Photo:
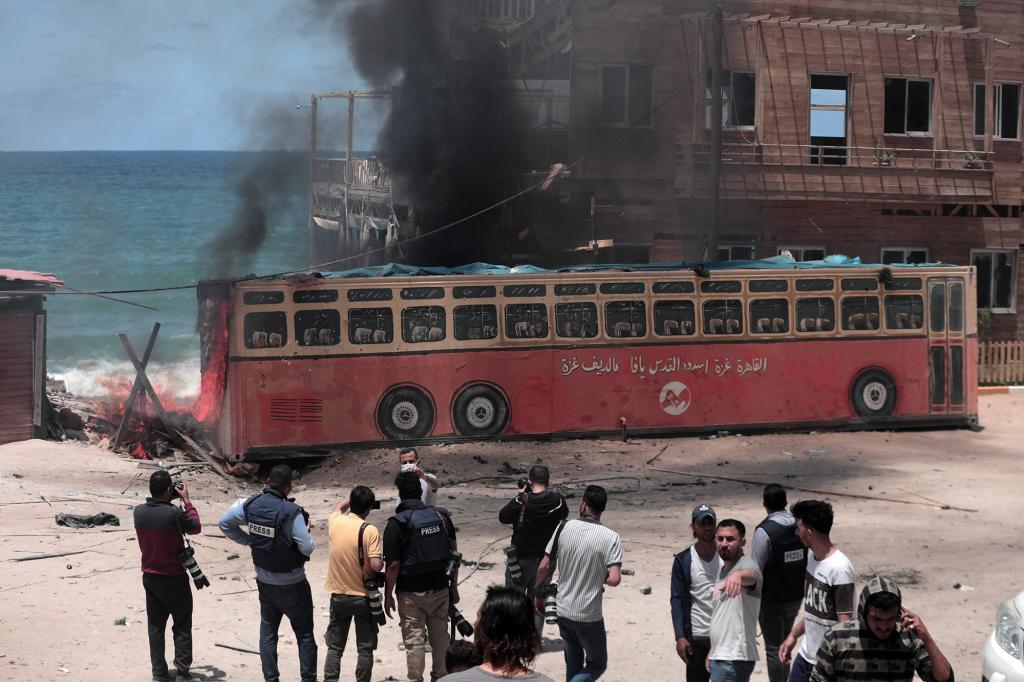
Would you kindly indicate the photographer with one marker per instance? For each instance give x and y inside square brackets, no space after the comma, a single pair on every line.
[159,526]
[355,560]
[279,539]
[534,514]
[418,544]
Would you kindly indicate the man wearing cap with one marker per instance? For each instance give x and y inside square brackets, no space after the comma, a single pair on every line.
[694,572]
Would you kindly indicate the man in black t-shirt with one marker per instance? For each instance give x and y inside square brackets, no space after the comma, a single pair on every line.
[418,542]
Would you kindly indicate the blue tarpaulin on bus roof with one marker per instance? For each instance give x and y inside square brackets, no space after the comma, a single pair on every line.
[773,263]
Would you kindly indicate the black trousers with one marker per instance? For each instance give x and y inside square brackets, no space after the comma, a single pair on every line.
[696,669]
[168,595]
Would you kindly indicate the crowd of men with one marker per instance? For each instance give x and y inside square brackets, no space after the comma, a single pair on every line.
[719,595]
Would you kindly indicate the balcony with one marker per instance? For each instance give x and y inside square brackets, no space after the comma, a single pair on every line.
[790,171]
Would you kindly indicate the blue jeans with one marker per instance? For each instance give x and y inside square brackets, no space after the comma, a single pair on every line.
[296,602]
[585,649]
[731,671]
[801,670]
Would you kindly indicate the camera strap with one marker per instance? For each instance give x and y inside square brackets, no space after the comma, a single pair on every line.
[359,545]
[554,545]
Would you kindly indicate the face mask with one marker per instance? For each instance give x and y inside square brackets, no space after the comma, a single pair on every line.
[408,466]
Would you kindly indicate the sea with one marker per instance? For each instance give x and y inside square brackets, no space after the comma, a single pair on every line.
[132,220]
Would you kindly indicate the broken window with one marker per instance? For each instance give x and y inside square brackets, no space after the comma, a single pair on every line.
[827,115]
[1006,97]
[803,253]
[424,323]
[627,94]
[265,330]
[997,279]
[576,320]
[908,105]
[815,314]
[860,313]
[769,316]
[475,322]
[904,312]
[738,99]
[370,325]
[905,255]
[318,327]
[526,321]
[674,318]
[723,317]
[625,319]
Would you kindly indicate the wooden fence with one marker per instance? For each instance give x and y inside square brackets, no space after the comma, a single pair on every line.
[1000,362]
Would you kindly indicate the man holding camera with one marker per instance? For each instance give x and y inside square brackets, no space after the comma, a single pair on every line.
[429,485]
[159,526]
[353,566]
[279,539]
[419,542]
[534,514]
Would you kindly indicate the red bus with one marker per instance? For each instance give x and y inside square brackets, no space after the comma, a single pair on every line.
[400,354]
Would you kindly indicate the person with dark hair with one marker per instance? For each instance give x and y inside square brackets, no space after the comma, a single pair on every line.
[159,526]
[505,638]
[534,513]
[280,543]
[736,601]
[418,542]
[462,655]
[782,558]
[588,556]
[694,573]
[885,643]
[409,460]
[828,587]
[354,556]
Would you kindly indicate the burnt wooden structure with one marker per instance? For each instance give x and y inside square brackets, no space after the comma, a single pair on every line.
[23,353]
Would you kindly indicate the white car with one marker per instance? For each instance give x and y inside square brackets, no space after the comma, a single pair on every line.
[1003,655]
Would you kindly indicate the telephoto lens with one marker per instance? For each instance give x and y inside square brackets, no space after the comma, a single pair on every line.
[515,572]
[188,560]
[464,627]
[376,606]
[454,561]
[550,605]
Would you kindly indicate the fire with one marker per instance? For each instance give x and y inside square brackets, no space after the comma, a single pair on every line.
[213,337]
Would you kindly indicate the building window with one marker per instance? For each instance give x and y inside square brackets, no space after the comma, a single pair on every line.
[738,99]
[997,279]
[908,106]
[627,94]
[803,253]
[1006,97]
[905,255]
[736,252]
[828,99]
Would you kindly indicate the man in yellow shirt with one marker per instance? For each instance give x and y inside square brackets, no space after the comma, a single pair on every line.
[346,582]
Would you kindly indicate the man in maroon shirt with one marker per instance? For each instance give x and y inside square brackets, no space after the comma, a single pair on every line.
[159,526]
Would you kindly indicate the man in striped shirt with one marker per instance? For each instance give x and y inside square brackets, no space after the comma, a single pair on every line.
[871,648]
[588,556]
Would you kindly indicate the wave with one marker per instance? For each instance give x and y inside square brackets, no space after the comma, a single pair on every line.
[179,381]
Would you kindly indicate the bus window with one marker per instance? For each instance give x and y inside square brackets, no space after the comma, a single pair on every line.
[758,286]
[769,315]
[474,292]
[526,320]
[904,284]
[263,297]
[721,286]
[956,306]
[815,314]
[420,293]
[860,313]
[317,327]
[423,323]
[575,290]
[576,320]
[815,285]
[937,306]
[672,288]
[674,318]
[621,288]
[475,322]
[315,296]
[265,330]
[860,284]
[370,325]
[625,318]
[356,295]
[723,317]
[904,312]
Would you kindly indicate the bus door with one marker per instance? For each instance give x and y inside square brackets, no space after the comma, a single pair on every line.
[946,344]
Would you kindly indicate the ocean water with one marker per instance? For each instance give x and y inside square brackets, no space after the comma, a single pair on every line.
[127,220]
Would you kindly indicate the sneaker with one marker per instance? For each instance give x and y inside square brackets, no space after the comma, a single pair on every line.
[184,676]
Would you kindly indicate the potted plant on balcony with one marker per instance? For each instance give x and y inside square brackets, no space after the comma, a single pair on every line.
[974,160]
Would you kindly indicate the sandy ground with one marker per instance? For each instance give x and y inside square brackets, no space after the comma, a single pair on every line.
[58,615]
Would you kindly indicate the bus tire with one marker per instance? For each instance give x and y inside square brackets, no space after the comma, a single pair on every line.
[480,410]
[873,395]
[405,413]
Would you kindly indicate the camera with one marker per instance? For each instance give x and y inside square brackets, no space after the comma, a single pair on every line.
[515,571]
[375,505]
[178,486]
[373,597]
[187,558]
[464,627]
[551,604]
[522,483]
[454,561]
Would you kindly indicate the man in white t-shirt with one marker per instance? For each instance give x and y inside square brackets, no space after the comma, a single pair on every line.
[735,605]
[828,588]
[410,461]
[694,572]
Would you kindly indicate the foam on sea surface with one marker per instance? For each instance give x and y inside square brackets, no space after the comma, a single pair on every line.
[178,381]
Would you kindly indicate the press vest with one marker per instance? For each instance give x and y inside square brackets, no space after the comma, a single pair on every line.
[784,572]
[268,515]
[425,545]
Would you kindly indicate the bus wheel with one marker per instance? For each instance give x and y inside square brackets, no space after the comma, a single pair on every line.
[874,394]
[480,410]
[405,413]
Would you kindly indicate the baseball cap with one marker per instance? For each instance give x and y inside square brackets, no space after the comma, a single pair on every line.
[701,511]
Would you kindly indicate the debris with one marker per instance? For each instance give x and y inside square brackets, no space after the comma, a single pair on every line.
[962,588]
[628,571]
[478,458]
[121,621]
[232,556]
[507,468]
[814,452]
[645,590]
[237,648]
[84,521]
[68,566]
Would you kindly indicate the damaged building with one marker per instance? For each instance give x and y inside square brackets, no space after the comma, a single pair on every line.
[695,131]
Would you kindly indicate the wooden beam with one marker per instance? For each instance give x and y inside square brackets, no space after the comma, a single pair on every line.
[137,388]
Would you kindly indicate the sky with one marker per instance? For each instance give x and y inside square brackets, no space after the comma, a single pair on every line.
[161,74]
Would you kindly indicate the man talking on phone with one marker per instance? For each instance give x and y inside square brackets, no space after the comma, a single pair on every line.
[886,642]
